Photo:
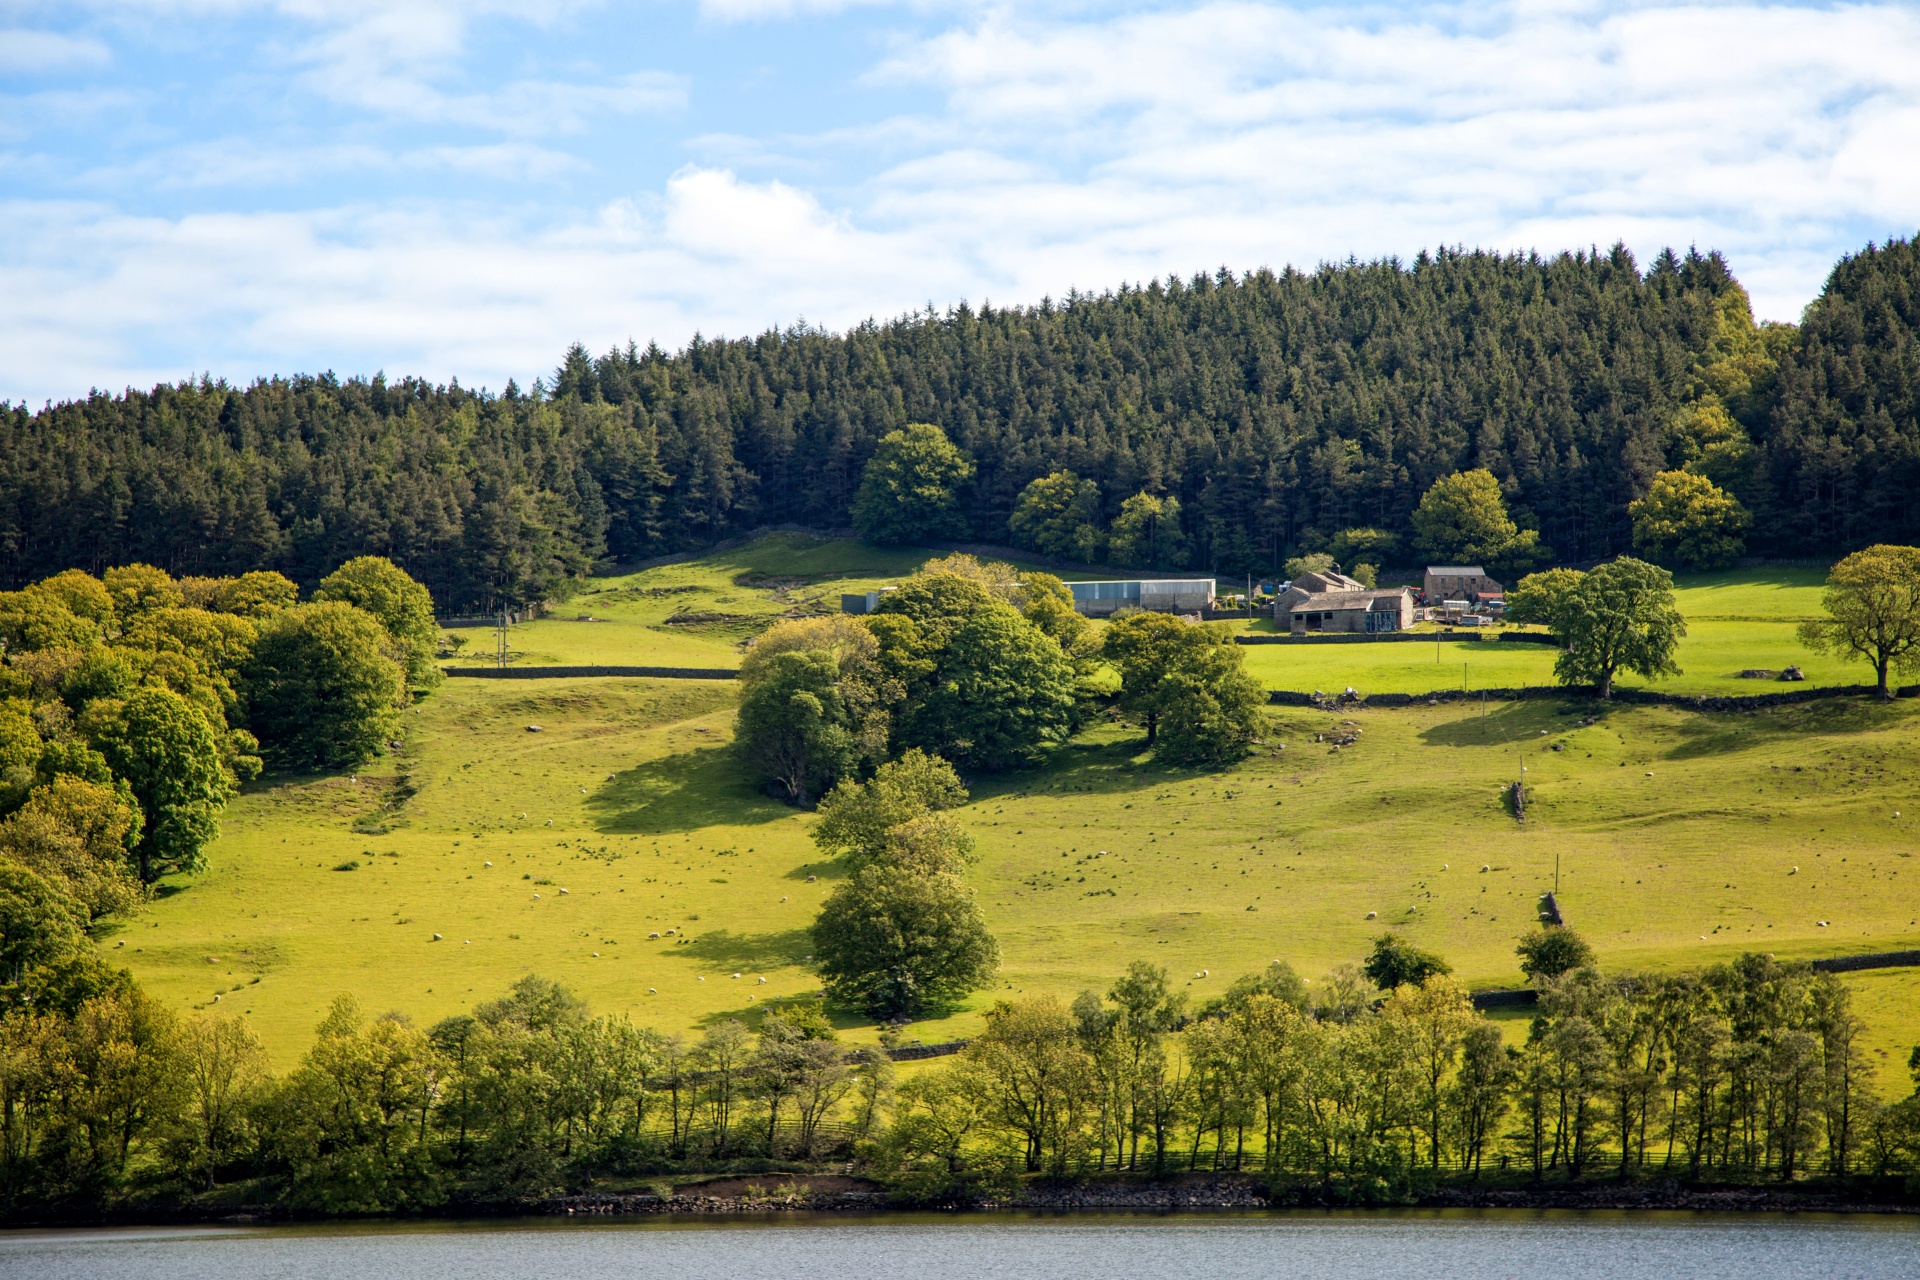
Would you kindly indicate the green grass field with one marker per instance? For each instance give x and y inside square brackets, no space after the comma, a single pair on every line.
[560,849]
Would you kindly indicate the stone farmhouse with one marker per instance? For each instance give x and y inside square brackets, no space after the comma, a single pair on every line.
[1458,582]
[1372,611]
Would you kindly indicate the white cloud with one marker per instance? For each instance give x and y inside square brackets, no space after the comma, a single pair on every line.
[1065,151]
[29,52]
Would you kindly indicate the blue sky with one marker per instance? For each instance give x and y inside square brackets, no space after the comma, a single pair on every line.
[459,188]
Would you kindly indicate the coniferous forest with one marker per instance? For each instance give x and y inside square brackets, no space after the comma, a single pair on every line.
[1278,409]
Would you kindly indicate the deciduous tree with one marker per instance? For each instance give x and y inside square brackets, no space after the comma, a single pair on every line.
[1873,611]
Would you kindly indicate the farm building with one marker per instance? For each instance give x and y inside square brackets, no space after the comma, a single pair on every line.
[865,602]
[1330,580]
[1159,595]
[1370,611]
[1458,581]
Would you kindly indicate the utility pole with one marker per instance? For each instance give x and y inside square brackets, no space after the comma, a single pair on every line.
[500,647]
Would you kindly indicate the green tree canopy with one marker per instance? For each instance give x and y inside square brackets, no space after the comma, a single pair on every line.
[910,489]
[1188,685]
[1686,520]
[1059,515]
[1545,597]
[165,750]
[983,686]
[38,923]
[1147,534]
[1462,519]
[1620,617]
[795,729]
[1209,705]
[1395,962]
[893,941]
[1873,611]
[856,816]
[1551,950]
[320,688]
[402,606]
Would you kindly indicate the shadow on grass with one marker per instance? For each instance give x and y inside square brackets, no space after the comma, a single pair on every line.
[750,951]
[1499,724]
[1709,733]
[1109,763]
[682,792]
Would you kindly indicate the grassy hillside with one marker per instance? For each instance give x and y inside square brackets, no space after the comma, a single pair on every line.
[560,849]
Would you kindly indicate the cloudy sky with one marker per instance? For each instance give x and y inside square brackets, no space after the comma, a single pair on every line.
[459,188]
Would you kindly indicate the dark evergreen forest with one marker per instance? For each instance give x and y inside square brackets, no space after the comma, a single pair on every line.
[1279,408]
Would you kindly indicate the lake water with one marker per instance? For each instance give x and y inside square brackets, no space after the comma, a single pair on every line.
[1452,1245]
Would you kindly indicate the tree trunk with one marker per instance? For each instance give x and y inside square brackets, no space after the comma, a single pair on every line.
[1880,669]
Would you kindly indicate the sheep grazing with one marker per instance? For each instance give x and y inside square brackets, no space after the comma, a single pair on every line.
[1370,915]
[436,937]
[763,981]
[654,934]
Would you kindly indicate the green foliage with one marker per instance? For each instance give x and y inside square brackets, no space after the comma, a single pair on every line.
[1545,597]
[1395,962]
[1462,519]
[794,728]
[1873,611]
[38,923]
[402,606]
[1209,706]
[1365,545]
[32,620]
[1552,950]
[170,758]
[1059,515]
[856,816]
[81,594]
[1187,684]
[1312,562]
[1147,535]
[137,588]
[350,1123]
[1836,421]
[983,685]
[258,593]
[1686,520]
[79,837]
[320,688]
[894,940]
[910,488]
[1620,616]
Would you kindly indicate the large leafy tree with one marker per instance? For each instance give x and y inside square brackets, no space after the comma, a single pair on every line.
[402,606]
[856,816]
[38,922]
[168,754]
[1873,611]
[1147,533]
[1001,690]
[910,489]
[795,729]
[1621,616]
[982,685]
[1463,519]
[1059,515]
[1685,519]
[893,940]
[1187,684]
[1209,705]
[320,687]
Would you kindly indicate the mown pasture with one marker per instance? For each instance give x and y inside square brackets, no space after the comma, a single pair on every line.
[1677,837]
